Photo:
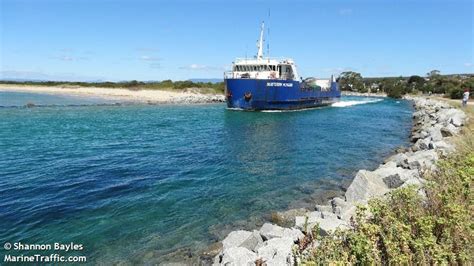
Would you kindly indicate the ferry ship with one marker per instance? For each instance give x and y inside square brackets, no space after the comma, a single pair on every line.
[263,83]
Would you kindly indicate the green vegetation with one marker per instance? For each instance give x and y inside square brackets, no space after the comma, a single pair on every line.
[450,85]
[202,87]
[351,81]
[393,87]
[411,226]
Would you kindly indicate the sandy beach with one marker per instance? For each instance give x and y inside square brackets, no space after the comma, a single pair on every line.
[119,94]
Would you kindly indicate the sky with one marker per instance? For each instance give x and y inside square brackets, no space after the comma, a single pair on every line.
[116,40]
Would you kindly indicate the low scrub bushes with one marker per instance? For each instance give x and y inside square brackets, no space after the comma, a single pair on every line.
[410,226]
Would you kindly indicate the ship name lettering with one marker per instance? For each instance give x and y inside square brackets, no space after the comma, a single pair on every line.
[279,84]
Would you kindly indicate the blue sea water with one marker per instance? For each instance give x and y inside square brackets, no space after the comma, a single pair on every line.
[134,183]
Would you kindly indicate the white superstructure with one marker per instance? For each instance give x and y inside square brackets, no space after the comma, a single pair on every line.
[260,67]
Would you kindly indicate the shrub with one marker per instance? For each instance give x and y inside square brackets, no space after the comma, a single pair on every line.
[411,226]
[393,88]
[456,93]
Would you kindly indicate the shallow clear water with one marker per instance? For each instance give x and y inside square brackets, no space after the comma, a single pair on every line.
[135,182]
[21,99]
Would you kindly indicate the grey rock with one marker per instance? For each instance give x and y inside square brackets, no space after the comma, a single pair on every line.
[277,251]
[325,208]
[365,185]
[421,144]
[368,184]
[338,212]
[254,241]
[400,159]
[235,238]
[419,135]
[451,115]
[338,202]
[458,119]
[449,130]
[444,147]
[435,133]
[329,223]
[241,238]
[269,231]
[393,181]
[238,256]
[422,159]
[287,218]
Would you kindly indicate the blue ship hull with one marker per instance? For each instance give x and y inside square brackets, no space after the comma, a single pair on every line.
[274,94]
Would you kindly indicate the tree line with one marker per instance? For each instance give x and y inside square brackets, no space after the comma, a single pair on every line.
[396,87]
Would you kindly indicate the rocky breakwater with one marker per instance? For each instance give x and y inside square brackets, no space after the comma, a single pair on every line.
[435,123]
[197,98]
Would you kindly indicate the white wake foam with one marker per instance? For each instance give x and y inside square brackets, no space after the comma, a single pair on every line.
[351,103]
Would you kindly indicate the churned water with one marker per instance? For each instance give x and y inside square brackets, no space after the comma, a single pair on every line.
[133,183]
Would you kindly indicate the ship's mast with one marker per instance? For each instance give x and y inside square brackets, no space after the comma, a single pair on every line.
[260,43]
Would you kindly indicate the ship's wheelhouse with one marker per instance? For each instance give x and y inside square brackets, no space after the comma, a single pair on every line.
[264,69]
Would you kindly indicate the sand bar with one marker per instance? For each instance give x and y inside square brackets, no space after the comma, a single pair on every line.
[119,94]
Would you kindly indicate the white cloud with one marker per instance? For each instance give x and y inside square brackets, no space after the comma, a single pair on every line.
[66,58]
[40,75]
[345,11]
[468,64]
[69,58]
[198,67]
[149,58]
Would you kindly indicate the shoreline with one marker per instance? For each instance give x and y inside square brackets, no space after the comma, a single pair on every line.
[367,94]
[189,96]
[435,123]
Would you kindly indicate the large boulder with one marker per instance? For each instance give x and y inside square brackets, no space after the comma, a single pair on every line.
[236,256]
[338,202]
[324,208]
[270,231]
[277,251]
[435,133]
[451,115]
[449,130]
[458,118]
[368,184]
[328,222]
[242,238]
[422,160]
[287,218]
[342,209]
[420,134]
[444,147]
[393,181]
[422,144]
[365,185]
[400,159]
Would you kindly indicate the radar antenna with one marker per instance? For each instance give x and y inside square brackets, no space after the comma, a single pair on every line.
[260,43]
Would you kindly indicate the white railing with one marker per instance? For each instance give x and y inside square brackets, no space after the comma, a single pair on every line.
[228,75]
[253,59]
